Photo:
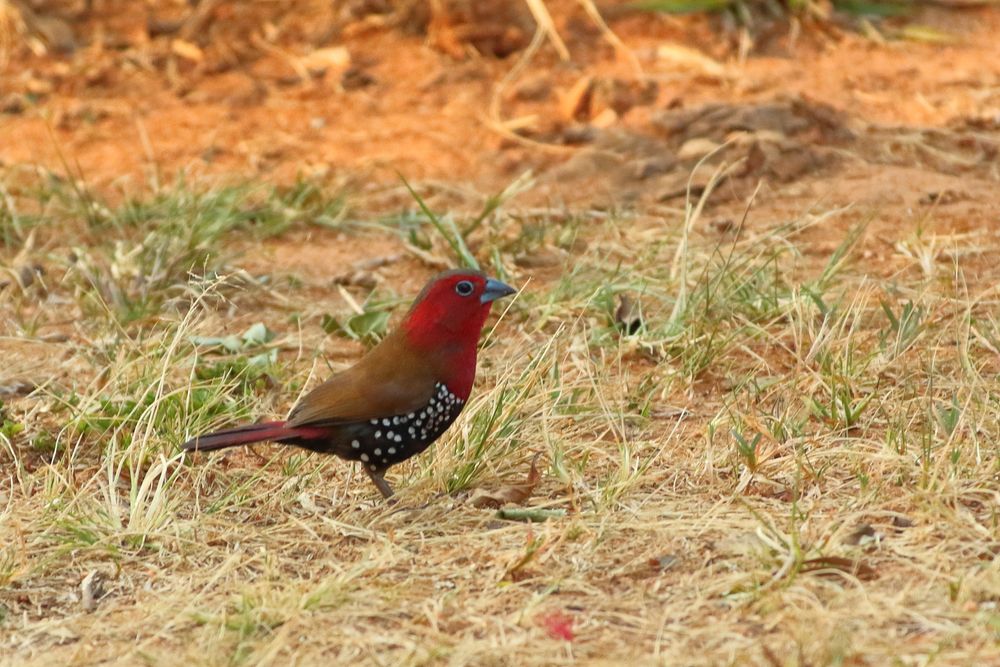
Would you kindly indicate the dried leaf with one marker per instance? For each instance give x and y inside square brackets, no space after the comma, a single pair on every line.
[515,493]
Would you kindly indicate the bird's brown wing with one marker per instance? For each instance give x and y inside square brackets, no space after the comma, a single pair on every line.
[387,381]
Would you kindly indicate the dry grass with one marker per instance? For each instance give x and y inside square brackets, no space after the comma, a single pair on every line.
[792,461]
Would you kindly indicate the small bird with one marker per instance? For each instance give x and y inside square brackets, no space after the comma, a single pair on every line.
[401,396]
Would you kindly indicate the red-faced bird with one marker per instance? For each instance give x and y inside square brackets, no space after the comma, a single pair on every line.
[401,396]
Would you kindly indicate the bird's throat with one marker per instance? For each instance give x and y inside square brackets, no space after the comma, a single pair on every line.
[451,359]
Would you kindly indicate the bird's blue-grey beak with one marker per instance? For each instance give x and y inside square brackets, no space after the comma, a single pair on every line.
[495,290]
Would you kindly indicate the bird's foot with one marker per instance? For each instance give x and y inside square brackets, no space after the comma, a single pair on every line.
[383,486]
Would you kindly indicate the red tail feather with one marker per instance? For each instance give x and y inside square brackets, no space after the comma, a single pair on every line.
[244,435]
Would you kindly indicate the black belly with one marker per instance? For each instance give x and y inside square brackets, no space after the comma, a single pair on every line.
[380,443]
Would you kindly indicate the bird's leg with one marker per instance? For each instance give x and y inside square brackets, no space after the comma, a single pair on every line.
[380,483]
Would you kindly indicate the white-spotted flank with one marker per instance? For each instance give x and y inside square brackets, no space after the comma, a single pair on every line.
[410,433]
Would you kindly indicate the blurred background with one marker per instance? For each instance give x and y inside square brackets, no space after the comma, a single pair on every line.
[478,91]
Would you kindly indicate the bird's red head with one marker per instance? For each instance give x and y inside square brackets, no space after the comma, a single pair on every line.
[452,308]
[447,317]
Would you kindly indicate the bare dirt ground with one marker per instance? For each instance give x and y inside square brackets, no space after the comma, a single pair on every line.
[832,545]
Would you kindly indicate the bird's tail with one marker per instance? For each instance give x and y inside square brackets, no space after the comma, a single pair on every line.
[243,435]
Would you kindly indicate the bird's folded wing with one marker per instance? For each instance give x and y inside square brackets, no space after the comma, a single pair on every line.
[366,391]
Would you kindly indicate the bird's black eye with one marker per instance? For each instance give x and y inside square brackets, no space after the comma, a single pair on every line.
[464,288]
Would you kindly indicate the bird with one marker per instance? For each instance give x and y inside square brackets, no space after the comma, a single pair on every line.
[400,397]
